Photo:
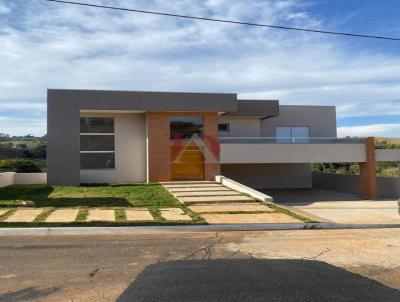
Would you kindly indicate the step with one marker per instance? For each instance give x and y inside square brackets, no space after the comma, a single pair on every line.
[187,182]
[205,193]
[202,189]
[192,186]
[216,199]
[230,207]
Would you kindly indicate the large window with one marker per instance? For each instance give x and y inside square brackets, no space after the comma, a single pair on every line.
[97,143]
[186,127]
[292,134]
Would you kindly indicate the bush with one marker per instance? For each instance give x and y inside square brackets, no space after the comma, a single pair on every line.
[19,166]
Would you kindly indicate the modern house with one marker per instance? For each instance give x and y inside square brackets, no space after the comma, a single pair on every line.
[129,137]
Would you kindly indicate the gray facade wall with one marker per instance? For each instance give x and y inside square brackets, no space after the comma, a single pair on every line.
[269,176]
[63,112]
[388,187]
[241,126]
[320,119]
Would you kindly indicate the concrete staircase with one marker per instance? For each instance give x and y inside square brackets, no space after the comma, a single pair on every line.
[205,192]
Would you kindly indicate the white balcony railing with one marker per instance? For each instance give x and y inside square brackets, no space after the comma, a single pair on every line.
[290,140]
[236,150]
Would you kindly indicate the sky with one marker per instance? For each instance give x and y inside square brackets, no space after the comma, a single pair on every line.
[48,45]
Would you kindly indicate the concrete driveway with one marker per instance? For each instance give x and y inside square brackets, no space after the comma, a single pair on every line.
[338,207]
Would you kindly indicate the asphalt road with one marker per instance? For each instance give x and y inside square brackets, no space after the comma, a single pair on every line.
[312,265]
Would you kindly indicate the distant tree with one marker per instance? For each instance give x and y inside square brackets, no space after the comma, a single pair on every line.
[22,146]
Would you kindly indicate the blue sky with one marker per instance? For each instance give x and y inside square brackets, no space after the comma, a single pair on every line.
[47,45]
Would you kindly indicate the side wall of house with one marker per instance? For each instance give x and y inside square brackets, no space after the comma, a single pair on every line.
[130,151]
[269,176]
[320,119]
[241,126]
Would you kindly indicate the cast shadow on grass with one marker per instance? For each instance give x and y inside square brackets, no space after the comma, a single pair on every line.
[253,280]
[28,294]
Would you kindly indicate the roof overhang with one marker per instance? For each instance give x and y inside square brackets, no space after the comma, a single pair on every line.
[261,108]
[146,101]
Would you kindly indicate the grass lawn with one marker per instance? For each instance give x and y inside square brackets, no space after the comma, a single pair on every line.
[116,197]
[146,195]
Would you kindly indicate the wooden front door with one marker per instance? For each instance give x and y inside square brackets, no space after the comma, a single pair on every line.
[187,164]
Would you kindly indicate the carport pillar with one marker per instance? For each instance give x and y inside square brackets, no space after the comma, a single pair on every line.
[368,182]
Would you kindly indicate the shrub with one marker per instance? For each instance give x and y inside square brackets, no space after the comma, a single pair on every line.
[19,166]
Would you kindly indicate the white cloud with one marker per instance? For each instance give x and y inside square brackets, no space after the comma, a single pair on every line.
[63,46]
[386,130]
[22,126]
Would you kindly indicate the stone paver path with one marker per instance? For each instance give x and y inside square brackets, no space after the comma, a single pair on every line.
[174,214]
[138,215]
[62,215]
[213,199]
[24,215]
[101,215]
[231,207]
[248,218]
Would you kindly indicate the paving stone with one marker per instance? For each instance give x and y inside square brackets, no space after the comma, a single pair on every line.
[174,214]
[63,215]
[230,207]
[24,215]
[101,215]
[199,189]
[249,218]
[212,199]
[138,215]
[204,193]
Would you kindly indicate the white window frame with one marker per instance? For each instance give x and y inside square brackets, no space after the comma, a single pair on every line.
[99,134]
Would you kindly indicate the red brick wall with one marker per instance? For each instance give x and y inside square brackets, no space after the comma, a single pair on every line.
[368,182]
[158,131]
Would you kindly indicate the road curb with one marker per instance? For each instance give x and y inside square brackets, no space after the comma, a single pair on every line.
[187,228]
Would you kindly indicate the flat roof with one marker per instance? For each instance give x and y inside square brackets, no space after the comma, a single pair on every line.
[144,100]
[262,108]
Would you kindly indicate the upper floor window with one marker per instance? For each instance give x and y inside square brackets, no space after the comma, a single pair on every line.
[223,127]
[292,134]
[97,143]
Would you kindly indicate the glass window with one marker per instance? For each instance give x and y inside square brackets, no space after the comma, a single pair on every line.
[302,132]
[223,127]
[97,160]
[97,125]
[97,143]
[186,127]
[292,134]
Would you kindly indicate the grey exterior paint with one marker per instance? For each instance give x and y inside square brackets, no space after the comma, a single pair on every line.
[63,112]
[320,119]
[261,108]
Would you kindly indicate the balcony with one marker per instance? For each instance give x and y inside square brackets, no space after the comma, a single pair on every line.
[235,150]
